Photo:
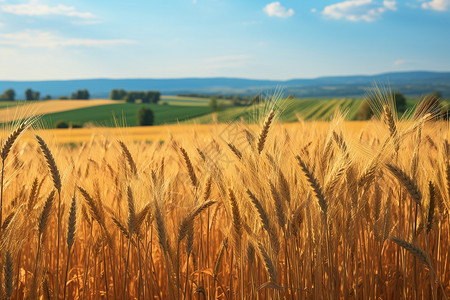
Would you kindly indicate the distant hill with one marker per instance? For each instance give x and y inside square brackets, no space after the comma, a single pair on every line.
[410,83]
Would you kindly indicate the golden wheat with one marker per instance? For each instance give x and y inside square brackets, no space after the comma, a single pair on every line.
[324,213]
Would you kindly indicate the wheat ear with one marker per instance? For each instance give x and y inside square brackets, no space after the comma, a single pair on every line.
[161,228]
[207,190]
[188,221]
[32,197]
[9,142]
[389,120]
[284,187]
[72,223]
[237,221]
[431,207]
[140,218]
[50,163]
[413,249]
[4,154]
[407,182]
[265,221]
[268,264]
[94,209]
[235,150]
[447,177]
[315,186]
[189,166]
[45,214]
[265,131]
[122,227]
[264,218]
[278,205]
[128,157]
[9,274]
[7,220]
[219,257]
[131,219]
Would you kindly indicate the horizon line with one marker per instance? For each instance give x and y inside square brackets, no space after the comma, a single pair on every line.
[226,77]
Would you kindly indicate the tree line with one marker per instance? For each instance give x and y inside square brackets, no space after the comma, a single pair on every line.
[133,96]
[30,95]
[237,100]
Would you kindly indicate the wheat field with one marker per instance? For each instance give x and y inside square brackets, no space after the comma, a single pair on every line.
[306,211]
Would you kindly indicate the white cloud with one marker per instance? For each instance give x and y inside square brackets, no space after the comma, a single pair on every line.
[440,5]
[313,10]
[42,39]
[7,51]
[275,9]
[34,8]
[399,62]
[392,5]
[358,10]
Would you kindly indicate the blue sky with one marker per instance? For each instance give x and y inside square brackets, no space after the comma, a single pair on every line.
[46,39]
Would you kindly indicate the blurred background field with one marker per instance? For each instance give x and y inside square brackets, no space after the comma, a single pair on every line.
[178,109]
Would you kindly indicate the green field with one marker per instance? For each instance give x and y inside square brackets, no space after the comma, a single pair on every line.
[6,104]
[172,109]
[177,100]
[104,115]
[291,110]
[308,109]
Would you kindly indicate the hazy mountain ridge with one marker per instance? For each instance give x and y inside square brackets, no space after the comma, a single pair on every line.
[410,83]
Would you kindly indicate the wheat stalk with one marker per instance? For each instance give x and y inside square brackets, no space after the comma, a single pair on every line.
[57,184]
[70,237]
[131,221]
[42,225]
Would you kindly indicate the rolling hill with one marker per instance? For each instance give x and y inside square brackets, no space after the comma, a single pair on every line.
[410,83]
